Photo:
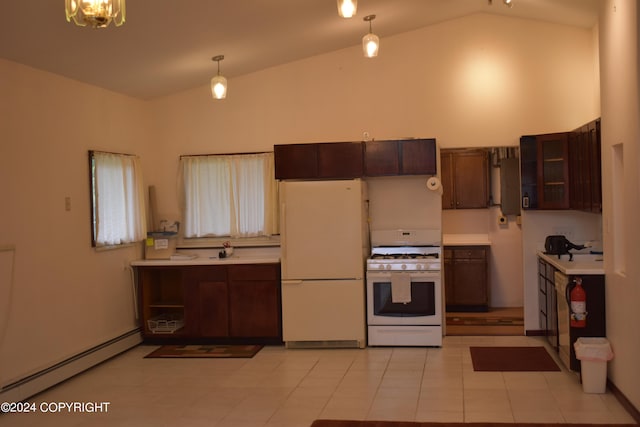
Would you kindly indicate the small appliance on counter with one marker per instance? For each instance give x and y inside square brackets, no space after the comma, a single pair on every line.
[160,244]
[560,245]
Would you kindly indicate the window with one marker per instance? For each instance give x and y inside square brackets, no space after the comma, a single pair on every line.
[231,195]
[117,199]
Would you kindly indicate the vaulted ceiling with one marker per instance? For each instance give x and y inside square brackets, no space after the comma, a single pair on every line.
[166,46]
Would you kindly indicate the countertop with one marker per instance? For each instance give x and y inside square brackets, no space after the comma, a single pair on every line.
[210,257]
[465,240]
[585,264]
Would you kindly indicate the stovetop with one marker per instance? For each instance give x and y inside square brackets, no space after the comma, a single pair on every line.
[405,258]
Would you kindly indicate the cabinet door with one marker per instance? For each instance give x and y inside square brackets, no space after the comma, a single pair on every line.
[206,301]
[596,165]
[338,160]
[470,282]
[579,169]
[296,161]
[447,174]
[448,277]
[465,179]
[418,157]
[552,313]
[381,158]
[213,309]
[255,300]
[542,295]
[529,172]
[471,171]
[553,171]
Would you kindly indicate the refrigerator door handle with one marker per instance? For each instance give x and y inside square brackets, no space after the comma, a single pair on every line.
[292,282]
[283,239]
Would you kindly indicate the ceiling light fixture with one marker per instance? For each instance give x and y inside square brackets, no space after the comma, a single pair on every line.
[347,8]
[218,82]
[96,13]
[508,2]
[370,42]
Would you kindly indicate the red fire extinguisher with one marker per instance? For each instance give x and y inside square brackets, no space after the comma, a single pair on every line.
[578,305]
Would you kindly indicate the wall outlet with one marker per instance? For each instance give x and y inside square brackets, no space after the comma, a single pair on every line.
[563,231]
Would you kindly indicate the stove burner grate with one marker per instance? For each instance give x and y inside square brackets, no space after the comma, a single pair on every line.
[405,256]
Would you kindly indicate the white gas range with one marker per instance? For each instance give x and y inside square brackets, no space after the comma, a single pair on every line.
[404,288]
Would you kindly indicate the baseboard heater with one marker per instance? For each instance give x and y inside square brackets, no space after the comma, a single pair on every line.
[42,380]
[324,344]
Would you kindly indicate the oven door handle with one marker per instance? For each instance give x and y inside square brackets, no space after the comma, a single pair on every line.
[292,282]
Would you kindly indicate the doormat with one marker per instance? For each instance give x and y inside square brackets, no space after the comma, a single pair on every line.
[485,321]
[512,359]
[347,423]
[205,351]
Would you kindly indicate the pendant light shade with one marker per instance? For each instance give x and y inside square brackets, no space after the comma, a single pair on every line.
[347,8]
[370,42]
[96,13]
[218,82]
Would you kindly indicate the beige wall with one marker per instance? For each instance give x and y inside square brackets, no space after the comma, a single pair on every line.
[60,297]
[620,127]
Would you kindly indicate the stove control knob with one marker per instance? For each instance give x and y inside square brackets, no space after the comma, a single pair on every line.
[419,266]
[404,266]
[381,267]
[388,267]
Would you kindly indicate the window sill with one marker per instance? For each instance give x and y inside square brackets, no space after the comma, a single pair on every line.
[217,242]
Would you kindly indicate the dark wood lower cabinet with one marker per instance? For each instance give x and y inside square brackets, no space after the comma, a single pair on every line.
[465,278]
[253,300]
[211,303]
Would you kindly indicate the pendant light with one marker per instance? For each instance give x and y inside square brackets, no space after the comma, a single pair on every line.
[508,2]
[96,13]
[370,42]
[347,8]
[218,82]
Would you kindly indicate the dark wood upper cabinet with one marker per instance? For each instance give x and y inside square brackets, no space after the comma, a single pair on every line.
[418,156]
[553,171]
[381,158]
[347,160]
[465,178]
[337,160]
[400,157]
[296,161]
[340,160]
[562,170]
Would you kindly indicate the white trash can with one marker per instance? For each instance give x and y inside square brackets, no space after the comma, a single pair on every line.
[593,353]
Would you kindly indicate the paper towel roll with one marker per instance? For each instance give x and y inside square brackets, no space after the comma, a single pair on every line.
[434,184]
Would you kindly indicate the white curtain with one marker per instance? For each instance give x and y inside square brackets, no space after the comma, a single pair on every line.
[229,195]
[119,199]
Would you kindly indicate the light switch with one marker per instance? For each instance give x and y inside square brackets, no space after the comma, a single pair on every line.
[67,203]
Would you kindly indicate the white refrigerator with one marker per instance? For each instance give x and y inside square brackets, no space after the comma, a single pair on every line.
[324,246]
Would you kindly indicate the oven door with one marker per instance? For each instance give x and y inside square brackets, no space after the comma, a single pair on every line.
[425,307]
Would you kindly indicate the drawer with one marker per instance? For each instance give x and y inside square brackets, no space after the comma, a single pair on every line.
[542,268]
[254,272]
[470,253]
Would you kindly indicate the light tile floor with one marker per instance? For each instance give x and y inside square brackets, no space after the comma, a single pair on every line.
[291,388]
